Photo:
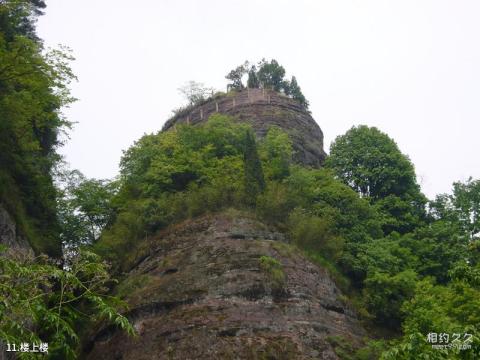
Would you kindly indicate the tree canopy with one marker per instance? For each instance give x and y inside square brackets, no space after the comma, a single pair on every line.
[371,163]
[33,90]
[44,298]
[266,75]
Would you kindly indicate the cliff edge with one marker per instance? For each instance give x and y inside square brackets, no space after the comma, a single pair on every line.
[261,109]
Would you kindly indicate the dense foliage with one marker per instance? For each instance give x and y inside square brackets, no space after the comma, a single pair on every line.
[388,259]
[422,277]
[84,206]
[42,303]
[370,163]
[45,301]
[182,173]
[33,89]
[173,175]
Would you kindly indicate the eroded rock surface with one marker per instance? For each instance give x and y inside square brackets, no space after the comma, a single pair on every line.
[262,109]
[17,247]
[16,244]
[199,291]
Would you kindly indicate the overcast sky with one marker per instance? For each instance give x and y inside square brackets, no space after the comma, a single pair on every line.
[411,68]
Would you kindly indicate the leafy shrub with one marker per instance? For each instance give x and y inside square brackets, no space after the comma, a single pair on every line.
[274,269]
[275,204]
[40,302]
[314,234]
[385,295]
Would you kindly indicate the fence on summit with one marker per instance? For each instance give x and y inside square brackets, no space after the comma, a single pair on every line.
[227,103]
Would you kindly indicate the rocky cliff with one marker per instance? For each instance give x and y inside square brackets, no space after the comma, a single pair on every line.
[226,286]
[16,244]
[261,109]
[16,247]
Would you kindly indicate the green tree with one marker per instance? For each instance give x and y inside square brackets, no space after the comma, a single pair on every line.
[84,207]
[39,302]
[18,17]
[440,246]
[385,294]
[276,150]
[271,74]
[253,82]
[296,93]
[317,190]
[92,197]
[371,163]
[386,255]
[33,90]
[315,234]
[349,222]
[173,175]
[235,76]
[253,173]
[461,207]
[438,309]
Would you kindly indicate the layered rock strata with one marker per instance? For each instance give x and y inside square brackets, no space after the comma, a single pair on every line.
[226,286]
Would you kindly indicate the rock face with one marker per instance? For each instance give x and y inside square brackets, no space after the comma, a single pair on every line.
[262,109]
[226,286]
[15,243]
[17,246]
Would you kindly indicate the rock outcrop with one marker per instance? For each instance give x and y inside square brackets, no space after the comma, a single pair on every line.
[15,243]
[17,247]
[262,109]
[203,290]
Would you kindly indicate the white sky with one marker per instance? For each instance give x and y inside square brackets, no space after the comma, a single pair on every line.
[410,67]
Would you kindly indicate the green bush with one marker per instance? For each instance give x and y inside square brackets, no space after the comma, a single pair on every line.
[274,269]
[315,234]
[275,204]
[42,303]
[385,294]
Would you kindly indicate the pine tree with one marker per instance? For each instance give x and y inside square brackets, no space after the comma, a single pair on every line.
[254,179]
[253,82]
[296,93]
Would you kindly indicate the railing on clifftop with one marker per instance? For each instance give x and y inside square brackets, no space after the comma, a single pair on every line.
[230,101]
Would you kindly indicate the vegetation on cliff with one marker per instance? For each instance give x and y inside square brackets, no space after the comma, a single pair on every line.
[266,75]
[421,276]
[42,300]
[363,217]
[409,266]
[33,88]
[41,303]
